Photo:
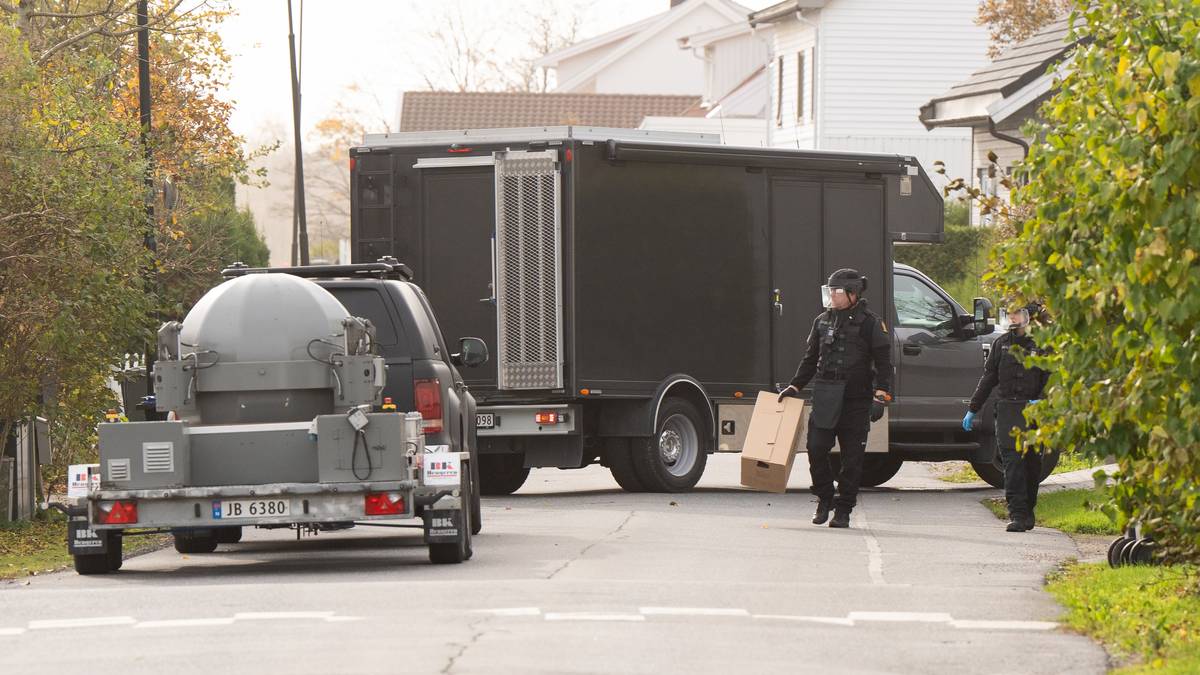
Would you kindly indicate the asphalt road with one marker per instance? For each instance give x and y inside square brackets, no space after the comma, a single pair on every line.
[571,575]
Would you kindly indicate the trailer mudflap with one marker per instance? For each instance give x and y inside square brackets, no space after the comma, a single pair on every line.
[83,540]
[443,526]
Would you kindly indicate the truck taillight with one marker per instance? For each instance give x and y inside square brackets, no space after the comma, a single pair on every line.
[116,513]
[550,417]
[428,395]
[384,503]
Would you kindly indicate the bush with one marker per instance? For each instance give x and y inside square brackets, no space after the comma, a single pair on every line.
[1112,247]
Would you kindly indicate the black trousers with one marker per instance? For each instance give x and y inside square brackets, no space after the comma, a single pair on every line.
[1022,475]
[851,437]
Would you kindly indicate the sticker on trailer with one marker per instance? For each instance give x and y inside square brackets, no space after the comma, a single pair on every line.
[442,469]
[77,479]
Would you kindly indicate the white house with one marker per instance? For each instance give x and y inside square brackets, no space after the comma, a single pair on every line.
[643,57]
[848,74]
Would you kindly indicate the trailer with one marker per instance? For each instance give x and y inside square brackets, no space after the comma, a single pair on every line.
[640,286]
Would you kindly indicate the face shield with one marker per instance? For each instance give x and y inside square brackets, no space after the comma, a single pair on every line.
[828,293]
[1018,319]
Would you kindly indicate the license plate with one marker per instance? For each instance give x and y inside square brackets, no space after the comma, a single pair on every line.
[251,508]
[485,420]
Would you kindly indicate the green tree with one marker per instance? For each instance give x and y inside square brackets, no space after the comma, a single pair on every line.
[1112,246]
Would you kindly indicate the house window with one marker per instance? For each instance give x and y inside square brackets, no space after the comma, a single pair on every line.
[779,93]
[800,65]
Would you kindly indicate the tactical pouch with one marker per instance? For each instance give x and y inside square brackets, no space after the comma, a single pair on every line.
[1010,416]
[827,403]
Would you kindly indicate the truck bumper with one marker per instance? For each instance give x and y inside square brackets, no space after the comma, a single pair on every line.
[201,507]
[520,420]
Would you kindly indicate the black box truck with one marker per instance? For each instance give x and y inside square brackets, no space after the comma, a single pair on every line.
[639,287]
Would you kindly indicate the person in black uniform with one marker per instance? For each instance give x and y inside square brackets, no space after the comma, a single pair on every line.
[1019,386]
[850,355]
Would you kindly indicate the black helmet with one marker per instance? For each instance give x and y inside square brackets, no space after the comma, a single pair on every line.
[848,279]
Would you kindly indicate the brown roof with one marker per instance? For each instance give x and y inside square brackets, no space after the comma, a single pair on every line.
[447,110]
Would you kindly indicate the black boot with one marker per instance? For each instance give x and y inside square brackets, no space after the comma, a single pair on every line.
[841,518]
[822,513]
[1015,525]
[1028,522]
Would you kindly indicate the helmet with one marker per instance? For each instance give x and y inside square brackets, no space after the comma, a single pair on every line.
[848,279]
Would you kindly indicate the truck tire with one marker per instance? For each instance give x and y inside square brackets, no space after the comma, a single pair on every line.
[476,506]
[992,472]
[620,463]
[674,458]
[878,468]
[188,542]
[501,474]
[228,535]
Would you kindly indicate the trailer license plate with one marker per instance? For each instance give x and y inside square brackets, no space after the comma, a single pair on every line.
[251,508]
[485,421]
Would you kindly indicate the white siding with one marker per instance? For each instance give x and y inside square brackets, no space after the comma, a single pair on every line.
[730,62]
[882,59]
[569,68]
[735,131]
[786,130]
[658,65]
[1007,155]
[949,146]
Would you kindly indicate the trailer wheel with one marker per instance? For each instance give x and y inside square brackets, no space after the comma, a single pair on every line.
[101,563]
[502,474]
[115,556]
[450,554]
[619,459]
[189,542]
[877,468]
[674,458]
[228,535]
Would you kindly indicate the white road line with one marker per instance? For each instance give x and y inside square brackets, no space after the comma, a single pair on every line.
[11,631]
[511,611]
[591,616]
[692,611]
[1003,625]
[874,552]
[831,620]
[911,617]
[268,616]
[82,623]
[184,623]
[342,619]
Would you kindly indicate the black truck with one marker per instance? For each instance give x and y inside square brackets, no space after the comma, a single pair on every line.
[641,286]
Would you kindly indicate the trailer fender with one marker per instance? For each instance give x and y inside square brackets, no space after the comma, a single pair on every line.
[689,389]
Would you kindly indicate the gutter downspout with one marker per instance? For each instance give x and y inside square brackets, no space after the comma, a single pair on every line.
[1005,137]
[818,78]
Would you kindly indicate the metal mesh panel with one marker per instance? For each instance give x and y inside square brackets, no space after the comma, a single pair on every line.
[528,270]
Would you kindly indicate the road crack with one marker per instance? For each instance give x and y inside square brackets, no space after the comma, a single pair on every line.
[470,642]
[592,545]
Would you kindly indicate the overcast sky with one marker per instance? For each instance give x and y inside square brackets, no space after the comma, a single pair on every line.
[376,44]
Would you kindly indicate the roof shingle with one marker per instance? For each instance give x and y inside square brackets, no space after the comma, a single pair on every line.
[450,110]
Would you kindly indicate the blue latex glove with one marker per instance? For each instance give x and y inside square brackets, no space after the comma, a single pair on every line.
[1036,400]
[968,420]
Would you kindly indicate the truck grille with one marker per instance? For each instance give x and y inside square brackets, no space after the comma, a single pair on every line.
[528,270]
[118,469]
[158,457]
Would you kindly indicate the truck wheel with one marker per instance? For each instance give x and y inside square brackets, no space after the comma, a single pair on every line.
[877,468]
[620,463]
[502,474]
[188,542]
[228,535]
[674,458]
[476,507]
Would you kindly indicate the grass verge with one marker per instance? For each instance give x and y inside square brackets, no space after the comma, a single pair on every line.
[1072,511]
[1147,617]
[40,546]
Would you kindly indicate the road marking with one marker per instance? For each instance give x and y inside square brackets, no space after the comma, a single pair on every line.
[832,620]
[342,619]
[1004,625]
[11,631]
[874,552]
[82,623]
[184,623]
[912,617]
[592,616]
[261,616]
[511,611]
[692,611]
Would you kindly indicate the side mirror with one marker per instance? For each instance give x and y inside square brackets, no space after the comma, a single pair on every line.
[472,353]
[983,310]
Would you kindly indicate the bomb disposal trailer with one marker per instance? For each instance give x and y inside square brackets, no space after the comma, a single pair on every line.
[275,390]
[642,286]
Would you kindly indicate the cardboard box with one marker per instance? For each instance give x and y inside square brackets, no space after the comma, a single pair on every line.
[771,442]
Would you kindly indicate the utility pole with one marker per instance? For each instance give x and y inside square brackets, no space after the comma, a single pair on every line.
[300,234]
[149,241]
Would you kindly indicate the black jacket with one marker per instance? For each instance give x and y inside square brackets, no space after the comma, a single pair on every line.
[852,345]
[1016,382]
